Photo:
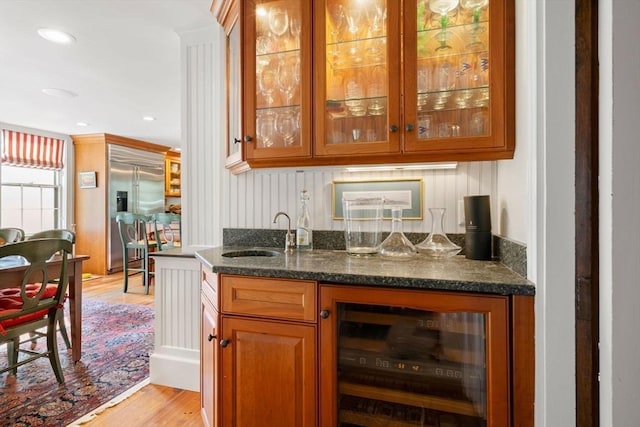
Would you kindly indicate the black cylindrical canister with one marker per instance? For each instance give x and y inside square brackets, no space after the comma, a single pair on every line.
[477,222]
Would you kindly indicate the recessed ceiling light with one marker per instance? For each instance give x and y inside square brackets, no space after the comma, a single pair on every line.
[82,124]
[59,93]
[56,36]
[148,118]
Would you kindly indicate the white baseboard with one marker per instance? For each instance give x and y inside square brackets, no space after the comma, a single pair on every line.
[174,371]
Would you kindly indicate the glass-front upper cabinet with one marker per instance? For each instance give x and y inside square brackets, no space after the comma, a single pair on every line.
[277,87]
[458,93]
[411,360]
[425,79]
[358,84]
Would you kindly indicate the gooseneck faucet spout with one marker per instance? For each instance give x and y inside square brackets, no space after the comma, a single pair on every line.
[289,242]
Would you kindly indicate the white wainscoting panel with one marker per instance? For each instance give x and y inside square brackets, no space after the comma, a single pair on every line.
[253,198]
[175,361]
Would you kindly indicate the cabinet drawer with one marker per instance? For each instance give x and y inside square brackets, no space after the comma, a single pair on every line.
[210,287]
[277,298]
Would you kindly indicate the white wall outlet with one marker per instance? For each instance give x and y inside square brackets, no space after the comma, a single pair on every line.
[461,213]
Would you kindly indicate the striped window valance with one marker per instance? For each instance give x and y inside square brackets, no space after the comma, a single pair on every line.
[33,151]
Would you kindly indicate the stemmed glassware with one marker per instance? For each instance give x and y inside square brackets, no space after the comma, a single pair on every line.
[443,7]
[476,7]
[266,83]
[286,78]
[353,16]
[295,28]
[335,12]
[286,126]
[265,126]
[278,20]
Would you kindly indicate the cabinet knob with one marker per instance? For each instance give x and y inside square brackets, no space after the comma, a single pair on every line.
[248,138]
[237,140]
[409,127]
[224,343]
[324,314]
[393,128]
[210,337]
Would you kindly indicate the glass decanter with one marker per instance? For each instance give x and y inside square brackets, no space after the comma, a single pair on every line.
[437,244]
[396,244]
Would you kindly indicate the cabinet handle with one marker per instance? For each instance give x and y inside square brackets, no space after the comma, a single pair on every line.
[409,127]
[237,140]
[211,337]
[393,128]
[324,314]
[248,138]
[224,343]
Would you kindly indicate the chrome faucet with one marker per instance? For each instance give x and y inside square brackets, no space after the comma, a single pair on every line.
[289,242]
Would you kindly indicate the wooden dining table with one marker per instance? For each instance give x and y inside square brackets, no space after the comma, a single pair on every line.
[10,273]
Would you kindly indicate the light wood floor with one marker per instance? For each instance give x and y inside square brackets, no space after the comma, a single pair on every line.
[152,405]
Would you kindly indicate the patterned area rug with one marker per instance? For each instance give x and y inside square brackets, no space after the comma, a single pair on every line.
[116,342]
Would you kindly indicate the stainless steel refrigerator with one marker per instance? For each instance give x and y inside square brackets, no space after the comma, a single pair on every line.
[136,184]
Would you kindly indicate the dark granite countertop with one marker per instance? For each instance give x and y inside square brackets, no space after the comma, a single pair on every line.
[335,266]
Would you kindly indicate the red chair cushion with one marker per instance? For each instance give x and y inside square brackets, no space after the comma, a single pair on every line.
[11,302]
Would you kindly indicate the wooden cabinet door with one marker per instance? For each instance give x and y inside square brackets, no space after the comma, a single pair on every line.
[408,357]
[209,364]
[277,80]
[268,373]
[459,80]
[357,84]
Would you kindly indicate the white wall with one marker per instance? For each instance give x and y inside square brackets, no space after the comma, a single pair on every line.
[619,212]
[203,94]
[553,222]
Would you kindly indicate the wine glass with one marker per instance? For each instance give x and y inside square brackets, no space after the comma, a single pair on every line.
[476,7]
[266,83]
[265,126]
[443,7]
[376,13]
[295,28]
[335,13]
[278,19]
[353,16]
[286,78]
[286,126]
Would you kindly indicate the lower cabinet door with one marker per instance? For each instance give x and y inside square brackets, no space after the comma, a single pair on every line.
[407,358]
[208,364]
[268,373]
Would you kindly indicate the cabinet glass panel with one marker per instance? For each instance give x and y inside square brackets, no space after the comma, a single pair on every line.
[453,68]
[407,367]
[356,71]
[278,25]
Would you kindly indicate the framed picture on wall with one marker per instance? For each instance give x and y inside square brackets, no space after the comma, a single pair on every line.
[87,179]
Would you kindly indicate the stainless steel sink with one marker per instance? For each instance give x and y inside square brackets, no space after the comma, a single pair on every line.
[250,252]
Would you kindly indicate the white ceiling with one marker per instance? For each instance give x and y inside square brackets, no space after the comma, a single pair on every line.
[124,65]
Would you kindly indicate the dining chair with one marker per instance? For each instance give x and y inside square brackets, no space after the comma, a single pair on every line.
[167,230]
[59,233]
[11,235]
[133,229]
[33,299]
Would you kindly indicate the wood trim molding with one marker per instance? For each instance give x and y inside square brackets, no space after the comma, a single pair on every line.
[586,221]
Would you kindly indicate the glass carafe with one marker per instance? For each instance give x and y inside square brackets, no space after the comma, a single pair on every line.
[396,244]
[437,244]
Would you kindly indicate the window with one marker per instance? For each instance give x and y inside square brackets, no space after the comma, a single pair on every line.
[30,198]
[30,182]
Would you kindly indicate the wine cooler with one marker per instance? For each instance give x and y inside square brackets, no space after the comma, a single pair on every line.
[414,360]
